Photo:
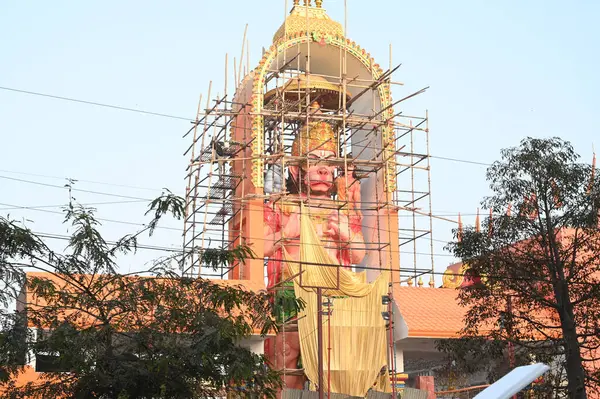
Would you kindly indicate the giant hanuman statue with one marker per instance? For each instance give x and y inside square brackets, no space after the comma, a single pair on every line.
[313,213]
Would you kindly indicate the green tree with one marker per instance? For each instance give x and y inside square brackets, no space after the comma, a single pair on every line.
[112,335]
[16,243]
[537,291]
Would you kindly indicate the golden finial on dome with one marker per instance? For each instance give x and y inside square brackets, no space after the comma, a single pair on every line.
[409,282]
[307,18]
[420,281]
[431,282]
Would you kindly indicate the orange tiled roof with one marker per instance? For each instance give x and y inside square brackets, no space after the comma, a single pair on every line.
[28,374]
[436,313]
[248,284]
[430,312]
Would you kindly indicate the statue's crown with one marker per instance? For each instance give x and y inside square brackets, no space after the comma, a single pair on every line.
[314,136]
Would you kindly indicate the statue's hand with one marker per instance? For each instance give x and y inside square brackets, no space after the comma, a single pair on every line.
[291,229]
[337,226]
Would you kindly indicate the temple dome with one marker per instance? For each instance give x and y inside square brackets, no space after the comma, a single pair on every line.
[318,22]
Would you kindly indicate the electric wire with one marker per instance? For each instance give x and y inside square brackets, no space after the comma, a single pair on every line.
[36,207]
[99,219]
[79,180]
[42,209]
[140,199]
[75,100]
[191,120]
[138,246]
[461,160]
[445,273]
[74,188]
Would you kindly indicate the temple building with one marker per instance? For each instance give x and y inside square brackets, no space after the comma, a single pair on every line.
[311,164]
[308,160]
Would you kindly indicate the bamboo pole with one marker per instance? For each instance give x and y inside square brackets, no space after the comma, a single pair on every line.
[242,55]
[235,74]
[226,73]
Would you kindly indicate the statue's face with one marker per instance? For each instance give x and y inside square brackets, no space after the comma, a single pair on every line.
[318,174]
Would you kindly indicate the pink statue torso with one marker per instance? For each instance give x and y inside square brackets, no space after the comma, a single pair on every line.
[339,232]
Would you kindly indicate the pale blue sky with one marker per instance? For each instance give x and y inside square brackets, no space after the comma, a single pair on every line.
[498,71]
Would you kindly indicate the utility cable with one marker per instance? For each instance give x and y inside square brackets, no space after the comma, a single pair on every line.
[73,189]
[139,111]
[173,116]
[461,160]
[99,219]
[78,180]
[62,236]
[140,199]
[139,246]
[40,207]
[445,273]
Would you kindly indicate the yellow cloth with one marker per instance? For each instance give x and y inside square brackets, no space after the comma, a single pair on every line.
[354,337]
[318,269]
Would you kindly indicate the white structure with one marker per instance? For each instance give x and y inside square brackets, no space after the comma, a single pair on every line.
[513,382]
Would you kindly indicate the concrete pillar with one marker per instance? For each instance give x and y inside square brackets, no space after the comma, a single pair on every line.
[426,383]
[399,360]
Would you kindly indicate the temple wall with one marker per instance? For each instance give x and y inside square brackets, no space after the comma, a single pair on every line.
[254,344]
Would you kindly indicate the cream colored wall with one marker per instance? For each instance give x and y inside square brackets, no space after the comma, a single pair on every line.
[255,344]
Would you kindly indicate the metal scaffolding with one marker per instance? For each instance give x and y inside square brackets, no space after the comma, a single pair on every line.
[213,198]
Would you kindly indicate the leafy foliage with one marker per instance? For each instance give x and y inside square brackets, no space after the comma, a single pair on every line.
[539,266]
[216,257]
[112,335]
[17,244]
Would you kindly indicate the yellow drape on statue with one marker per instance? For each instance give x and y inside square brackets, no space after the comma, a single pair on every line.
[358,349]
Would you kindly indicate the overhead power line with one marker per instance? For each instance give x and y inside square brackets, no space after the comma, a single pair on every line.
[41,207]
[434,213]
[78,180]
[461,160]
[75,100]
[99,219]
[73,188]
[138,246]
[428,273]
[173,116]
[171,249]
